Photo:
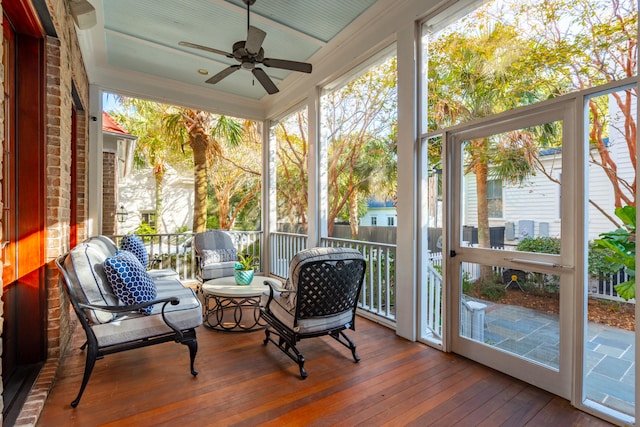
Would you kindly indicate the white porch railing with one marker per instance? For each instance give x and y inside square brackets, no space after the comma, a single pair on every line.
[175,250]
[433,309]
[283,247]
[378,295]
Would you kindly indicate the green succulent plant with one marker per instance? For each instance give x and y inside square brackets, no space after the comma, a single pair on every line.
[245,262]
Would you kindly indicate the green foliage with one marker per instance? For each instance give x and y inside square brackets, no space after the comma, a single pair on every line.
[467,284]
[544,245]
[490,289]
[622,245]
[245,261]
[598,260]
[145,228]
[182,229]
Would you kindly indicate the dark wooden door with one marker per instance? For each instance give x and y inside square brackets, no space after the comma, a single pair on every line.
[23,192]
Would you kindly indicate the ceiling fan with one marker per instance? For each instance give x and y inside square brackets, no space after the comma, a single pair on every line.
[250,53]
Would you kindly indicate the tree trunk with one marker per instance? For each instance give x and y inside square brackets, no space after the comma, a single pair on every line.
[159,180]
[353,214]
[481,170]
[199,146]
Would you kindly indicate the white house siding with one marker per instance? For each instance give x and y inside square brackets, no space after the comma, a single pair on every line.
[137,194]
[538,199]
[381,214]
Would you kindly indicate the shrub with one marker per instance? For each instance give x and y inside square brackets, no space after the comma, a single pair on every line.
[491,290]
[599,261]
[145,228]
[544,245]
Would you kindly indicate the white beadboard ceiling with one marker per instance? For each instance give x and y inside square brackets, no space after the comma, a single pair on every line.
[135,43]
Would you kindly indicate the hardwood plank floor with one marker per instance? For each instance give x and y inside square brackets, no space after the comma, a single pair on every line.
[244,383]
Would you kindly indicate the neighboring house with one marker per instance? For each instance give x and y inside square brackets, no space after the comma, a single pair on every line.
[532,208]
[118,147]
[137,196]
[132,191]
[380,213]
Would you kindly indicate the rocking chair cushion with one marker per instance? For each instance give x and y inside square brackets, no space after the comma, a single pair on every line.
[279,310]
[129,280]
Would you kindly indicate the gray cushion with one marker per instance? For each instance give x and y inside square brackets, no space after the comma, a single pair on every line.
[163,273]
[279,309]
[213,239]
[209,256]
[133,326]
[85,267]
[217,270]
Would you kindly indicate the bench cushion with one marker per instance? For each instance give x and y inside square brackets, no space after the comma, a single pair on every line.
[85,267]
[129,280]
[133,326]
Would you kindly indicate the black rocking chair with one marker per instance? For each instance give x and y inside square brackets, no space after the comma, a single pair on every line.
[319,298]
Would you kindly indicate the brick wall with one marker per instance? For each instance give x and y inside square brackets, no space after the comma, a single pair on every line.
[64,71]
[109,192]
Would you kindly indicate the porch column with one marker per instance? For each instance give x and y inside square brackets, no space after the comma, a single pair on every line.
[94,163]
[317,170]
[406,247]
[269,194]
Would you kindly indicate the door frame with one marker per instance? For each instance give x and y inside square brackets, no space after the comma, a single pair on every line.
[558,382]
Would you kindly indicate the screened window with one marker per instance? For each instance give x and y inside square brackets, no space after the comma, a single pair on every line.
[291,152]
[358,125]
[494,198]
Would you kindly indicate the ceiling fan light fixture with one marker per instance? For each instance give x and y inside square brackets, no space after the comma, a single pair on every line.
[250,54]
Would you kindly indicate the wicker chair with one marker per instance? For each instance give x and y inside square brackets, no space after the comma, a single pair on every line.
[319,298]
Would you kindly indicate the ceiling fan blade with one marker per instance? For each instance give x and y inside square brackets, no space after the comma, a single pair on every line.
[222,74]
[303,67]
[255,37]
[206,48]
[265,81]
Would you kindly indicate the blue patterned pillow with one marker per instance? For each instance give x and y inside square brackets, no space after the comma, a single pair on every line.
[133,243]
[129,280]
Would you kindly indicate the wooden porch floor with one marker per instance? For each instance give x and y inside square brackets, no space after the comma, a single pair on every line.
[242,382]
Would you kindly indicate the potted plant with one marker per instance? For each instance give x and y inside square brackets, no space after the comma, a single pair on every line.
[244,269]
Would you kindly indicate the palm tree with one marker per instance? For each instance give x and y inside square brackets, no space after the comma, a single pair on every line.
[203,133]
[144,119]
[478,75]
